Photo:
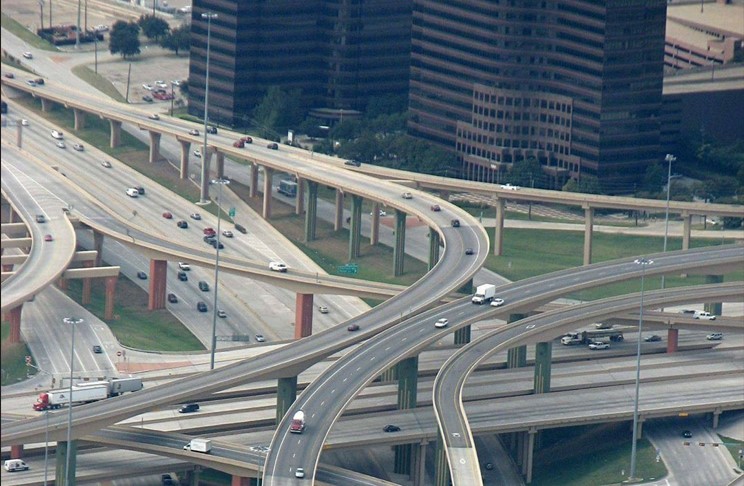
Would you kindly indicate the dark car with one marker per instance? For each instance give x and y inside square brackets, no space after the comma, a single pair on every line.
[651,339]
[469,251]
[172,298]
[142,275]
[183,277]
[203,286]
[391,428]
[211,129]
[455,223]
[353,327]
[188,408]
[241,228]
[40,218]
[201,306]
[140,189]
[209,238]
[435,208]
[686,434]
[167,480]
[40,81]
[97,349]
[273,146]
[215,244]
[182,224]
[353,163]
[147,98]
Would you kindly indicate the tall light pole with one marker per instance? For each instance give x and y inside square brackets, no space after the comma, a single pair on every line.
[220,182]
[204,189]
[669,158]
[77,31]
[72,321]
[643,262]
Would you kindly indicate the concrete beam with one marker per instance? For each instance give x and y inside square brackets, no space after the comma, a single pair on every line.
[158,274]
[303,315]
[115,136]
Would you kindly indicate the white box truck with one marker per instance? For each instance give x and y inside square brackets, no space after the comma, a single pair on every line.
[199,445]
[484,293]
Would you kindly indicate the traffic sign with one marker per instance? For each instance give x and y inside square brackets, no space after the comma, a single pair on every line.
[349,268]
[231,212]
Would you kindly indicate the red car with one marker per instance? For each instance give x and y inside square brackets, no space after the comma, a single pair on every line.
[167,215]
[48,238]
[239,143]
[209,232]
[436,208]
[247,139]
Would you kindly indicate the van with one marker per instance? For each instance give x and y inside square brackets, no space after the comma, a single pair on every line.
[132,192]
[12,465]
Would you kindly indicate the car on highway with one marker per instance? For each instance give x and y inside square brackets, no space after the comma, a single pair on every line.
[323,309]
[353,163]
[197,153]
[106,164]
[299,473]
[31,82]
[39,81]
[705,316]
[172,298]
[469,251]
[211,129]
[97,349]
[714,336]
[142,275]
[48,238]
[203,286]
[209,231]
[435,208]
[132,192]
[227,234]
[184,266]
[391,428]
[188,408]
[241,228]
[28,55]
[260,338]
[194,132]
[154,116]
[442,322]
[201,306]
[78,146]
[497,302]
[278,266]
[12,465]
[58,135]
[407,195]
[182,224]
[167,480]
[455,223]
[208,239]
[221,313]
[509,187]
[352,327]
[183,277]
[273,146]
[599,345]
[653,338]
[246,139]
[148,99]
[686,434]
[40,218]
[24,122]
[168,215]
[61,144]
[216,244]
[9,75]
[195,216]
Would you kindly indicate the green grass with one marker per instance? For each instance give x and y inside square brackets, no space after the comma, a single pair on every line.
[733,446]
[13,362]
[24,34]
[98,82]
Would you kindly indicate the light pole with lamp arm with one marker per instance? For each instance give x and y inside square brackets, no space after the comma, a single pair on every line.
[220,182]
[72,321]
[204,189]
[669,159]
[643,262]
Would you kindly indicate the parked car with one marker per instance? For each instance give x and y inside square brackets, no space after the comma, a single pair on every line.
[147,87]
[142,275]
[441,323]
[188,408]
[599,345]
[278,266]
[147,98]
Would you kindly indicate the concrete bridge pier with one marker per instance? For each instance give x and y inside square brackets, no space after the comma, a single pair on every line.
[13,316]
[47,105]
[184,164]
[219,165]
[588,233]
[62,475]
[462,336]
[338,217]
[267,185]
[516,357]
[115,137]
[98,247]
[441,466]
[407,389]
[714,307]
[418,476]
[434,240]
[86,291]
[374,231]
[672,340]
[241,481]
[286,394]
[543,358]
[529,455]
[16,451]
[79,116]
[686,230]
[154,147]
[253,187]
[399,250]
[498,230]
[303,315]
[108,312]
[355,227]
[158,274]
[311,214]
[300,199]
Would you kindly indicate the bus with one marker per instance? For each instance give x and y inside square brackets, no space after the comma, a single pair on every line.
[288,188]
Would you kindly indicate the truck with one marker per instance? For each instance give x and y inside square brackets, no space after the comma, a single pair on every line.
[199,445]
[86,392]
[484,293]
[588,337]
[298,422]
[287,187]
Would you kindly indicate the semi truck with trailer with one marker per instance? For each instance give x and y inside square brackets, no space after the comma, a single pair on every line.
[298,423]
[85,393]
[588,337]
[484,293]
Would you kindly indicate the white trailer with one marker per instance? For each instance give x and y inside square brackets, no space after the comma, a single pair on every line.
[199,445]
[484,293]
[57,398]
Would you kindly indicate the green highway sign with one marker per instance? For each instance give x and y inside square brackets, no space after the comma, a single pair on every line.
[349,268]
[231,212]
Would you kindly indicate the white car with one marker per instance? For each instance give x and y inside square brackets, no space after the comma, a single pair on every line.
[24,122]
[197,153]
[147,87]
[299,472]
[227,234]
[599,345]
[323,309]
[154,116]
[57,135]
[102,28]
[161,85]
[509,187]
[714,336]
[441,323]
[278,266]
[221,313]
[77,146]
[381,213]
[184,266]
[28,55]
[61,144]
[407,195]
[260,338]
[497,302]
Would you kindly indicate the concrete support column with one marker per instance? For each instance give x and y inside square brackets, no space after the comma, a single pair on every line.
[338,215]
[467,287]
[543,357]
[46,105]
[311,215]
[516,357]
[434,240]
[241,481]
[219,165]
[16,451]
[588,233]
[355,227]
[399,250]
[108,312]
[154,147]
[98,247]
[462,336]
[714,307]
[303,315]
[419,465]
[13,316]
[498,231]
[62,283]
[300,199]
[62,476]
[374,230]
[529,455]
[519,448]
[441,466]
[115,136]
[267,184]
[79,116]
[672,340]
[686,230]
[205,183]
[158,274]
[389,375]
[716,416]
[183,172]
[407,388]
[85,297]
[286,394]
[253,188]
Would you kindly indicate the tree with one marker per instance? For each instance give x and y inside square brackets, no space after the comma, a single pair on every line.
[278,111]
[178,39]
[124,39]
[153,26]
[528,173]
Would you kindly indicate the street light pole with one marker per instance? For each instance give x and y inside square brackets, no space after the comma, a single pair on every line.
[72,321]
[220,182]
[642,262]
[204,189]
[669,158]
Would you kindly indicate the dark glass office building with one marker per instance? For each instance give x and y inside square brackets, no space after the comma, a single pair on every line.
[575,84]
[338,53]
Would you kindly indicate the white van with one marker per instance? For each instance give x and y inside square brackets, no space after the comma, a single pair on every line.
[132,192]
[12,465]
[706,316]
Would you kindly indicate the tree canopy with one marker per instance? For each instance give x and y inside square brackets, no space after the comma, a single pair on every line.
[124,39]
[178,39]
[153,26]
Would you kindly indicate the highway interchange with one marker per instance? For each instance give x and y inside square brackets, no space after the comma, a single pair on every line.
[453,269]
